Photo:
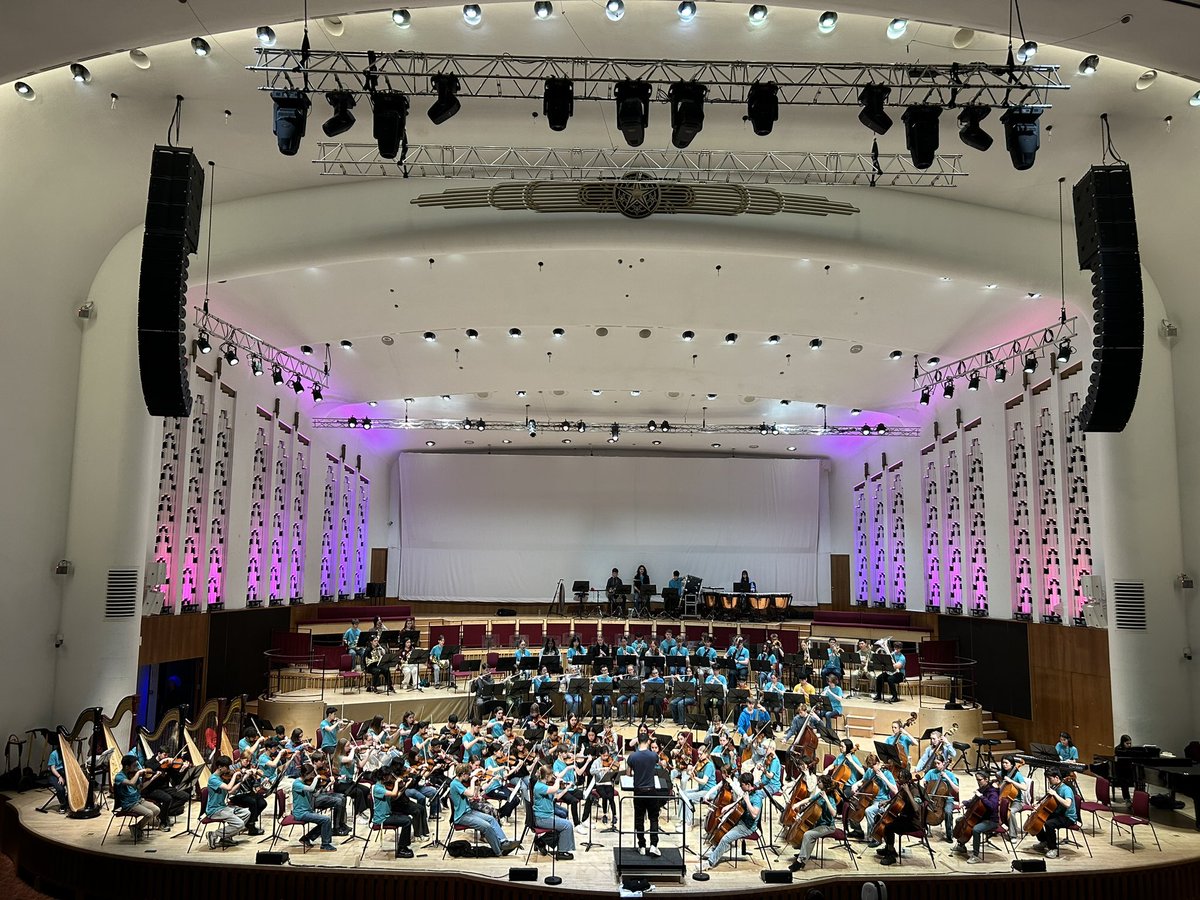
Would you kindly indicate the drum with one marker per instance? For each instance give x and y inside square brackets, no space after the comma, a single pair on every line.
[710,602]
[781,602]
[729,603]
[759,603]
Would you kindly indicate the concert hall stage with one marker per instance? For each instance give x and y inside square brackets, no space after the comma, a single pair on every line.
[63,857]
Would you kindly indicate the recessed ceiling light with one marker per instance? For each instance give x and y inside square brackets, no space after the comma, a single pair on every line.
[1194,100]
[715,446]
[387,340]
[1146,80]
[506,441]
[520,393]
[656,443]
[686,10]
[429,444]
[472,334]
[792,449]
[758,13]
[856,412]
[542,9]
[347,345]
[689,335]
[963,38]
[445,396]
[514,332]
[614,9]
[596,392]
[472,14]
[1033,295]
[635,393]
[991,286]
[731,338]
[372,403]
[334,25]
[429,336]
[1089,65]
[895,355]
[896,28]
[81,73]
[944,278]
[712,396]
[25,90]
[139,58]
[774,339]
[402,17]
[932,362]
[265,35]
[200,46]
[559,332]
[468,442]
[856,348]
[827,22]
[306,349]
[815,344]
[818,406]
[566,440]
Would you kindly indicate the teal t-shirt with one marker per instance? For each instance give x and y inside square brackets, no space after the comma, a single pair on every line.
[543,804]
[382,804]
[126,792]
[301,800]
[216,794]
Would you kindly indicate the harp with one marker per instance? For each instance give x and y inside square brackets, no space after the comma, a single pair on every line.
[202,736]
[231,725]
[111,725]
[81,790]
[167,737]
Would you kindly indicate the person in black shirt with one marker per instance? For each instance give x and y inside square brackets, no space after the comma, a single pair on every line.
[616,602]
[641,602]
[647,798]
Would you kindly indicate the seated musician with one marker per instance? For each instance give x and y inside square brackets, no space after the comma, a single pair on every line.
[601,693]
[850,758]
[1124,773]
[907,820]
[164,791]
[825,824]
[616,603]
[350,642]
[679,705]
[705,781]
[765,654]
[752,801]
[833,660]
[496,763]
[248,796]
[940,772]
[1065,815]
[894,678]
[463,814]
[571,701]
[541,687]
[725,751]
[575,650]
[938,746]
[877,774]
[326,798]
[628,695]
[641,600]
[345,761]
[986,791]
[1066,749]
[749,585]
[380,672]
[603,769]
[231,820]
[378,628]
[522,652]
[772,768]
[249,740]
[599,647]
[740,654]
[128,796]
[549,787]
[718,702]
[439,661]
[805,687]
[666,647]
[58,778]
[833,696]
[473,742]
[900,736]
[803,715]
[753,718]
[652,706]
[676,584]
[1010,773]
[387,789]
[709,652]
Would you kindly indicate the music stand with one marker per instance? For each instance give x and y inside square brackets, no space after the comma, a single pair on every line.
[1044,750]
[653,693]
[188,783]
[529,664]
[623,591]
[629,686]
[888,754]
[654,661]
[670,599]
[581,589]
[506,664]
[627,659]
[713,695]
[741,587]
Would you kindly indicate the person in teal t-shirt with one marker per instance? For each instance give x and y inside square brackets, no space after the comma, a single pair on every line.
[229,820]
[386,790]
[303,788]
[1066,815]
[127,792]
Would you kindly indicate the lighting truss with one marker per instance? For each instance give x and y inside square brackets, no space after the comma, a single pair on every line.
[550,425]
[515,77]
[1008,353]
[733,166]
[221,332]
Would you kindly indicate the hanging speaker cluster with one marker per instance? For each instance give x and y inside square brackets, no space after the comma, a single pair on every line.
[172,233]
[1106,234]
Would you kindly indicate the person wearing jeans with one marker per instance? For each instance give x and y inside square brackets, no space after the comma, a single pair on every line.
[752,802]
[824,826]
[706,780]
[231,820]
[1065,814]
[548,788]
[303,788]
[462,814]
[382,794]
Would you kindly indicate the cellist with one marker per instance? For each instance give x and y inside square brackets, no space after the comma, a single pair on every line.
[751,797]
[887,790]
[905,820]
[1010,774]
[990,795]
[1065,814]
[940,774]
[824,827]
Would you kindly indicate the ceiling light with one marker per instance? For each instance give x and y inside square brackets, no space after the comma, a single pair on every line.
[596,392]
[558,102]
[402,17]
[656,443]
[581,426]
[815,344]
[346,345]
[895,355]
[265,35]
[566,426]
[389,111]
[792,449]
[231,355]
[480,425]
[763,429]
[472,334]
[881,428]
[896,28]
[80,73]
[819,406]
[430,444]
[1033,295]
[991,286]
[558,332]
[689,335]
[367,424]
[543,8]
[1031,363]
[712,396]
[1021,135]
[446,105]
[298,385]
[291,116]
[372,403]
[715,446]
[635,393]
[316,393]
[614,9]
[762,107]
[973,382]
[139,58]
[925,396]
[1064,352]
[1001,373]
[856,411]
[731,338]
[1089,65]
[774,339]
[352,422]
[506,441]
[200,46]
[429,336]
[864,430]
[827,22]
[202,343]
[255,365]
[664,425]
[774,428]
[758,13]
[472,14]
[566,440]
[277,375]
[948,388]
[521,393]
[872,98]
[969,131]
[921,133]
[342,120]
[686,10]
[633,110]
[616,432]
[306,349]
[1145,80]
[532,426]
[445,396]
[652,425]
[24,89]
[467,424]
[1027,51]
[514,332]
[1193,100]
[687,111]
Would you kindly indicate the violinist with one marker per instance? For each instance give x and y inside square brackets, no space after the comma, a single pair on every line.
[990,795]
[162,790]
[823,795]
[725,751]
[1065,814]
[327,731]
[938,747]
[940,774]
[893,678]
[249,741]
[569,768]
[772,769]
[303,788]
[325,798]
[751,797]
[907,819]
[601,693]
[704,775]
[127,795]
[549,787]
[603,771]
[496,788]
[386,789]
[231,820]
[247,796]
[347,770]
[473,742]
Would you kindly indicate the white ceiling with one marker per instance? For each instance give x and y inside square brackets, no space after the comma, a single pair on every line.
[105,160]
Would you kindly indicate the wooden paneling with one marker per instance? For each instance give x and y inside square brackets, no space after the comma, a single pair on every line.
[379,561]
[170,638]
[839,580]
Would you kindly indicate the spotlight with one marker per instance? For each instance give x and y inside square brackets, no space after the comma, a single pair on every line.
[931,362]
[763,429]
[429,337]
[633,110]
[774,339]
[298,385]
[815,344]
[342,119]
[689,335]
[277,375]
[306,349]
[80,73]
[1022,135]
[762,107]
[731,338]
[1027,51]
[389,111]
[445,397]
[827,22]
[1001,373]
[856,411]
[446,105]
[616,432]
[711,396]
[665,426]
[581,426]
[472,14]
[231,355]
[872,99]
[973,382]
[520,393]
[514,332]
[596,392]
[316,393]
[1193,100]
[948,389]
[266,35]
[256,365]
[925,396]
[774,428]
[558,102]
[895,355]
[896,28]
[352,422]
[1064,352]
[480,425]
[402,17]
[532,426]
[1031,363]
[566,426]
[472,334]
[430,443]
[291,116]
[367,424]
[614,9]
[686,10]
[26,91]
[969,131]
[758,13]
[881,428]
[200,46]
[921,133]
[652,425]
[467,424]
[202,343]
[1089,65]
[543,8]
[372,403]
[864,430]
[687,111]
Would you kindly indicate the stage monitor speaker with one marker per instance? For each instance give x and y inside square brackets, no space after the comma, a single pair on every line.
[523,873]
[267,858]
[1029,865]
[1106,238]
[776,876]
[506,611]
[172,232]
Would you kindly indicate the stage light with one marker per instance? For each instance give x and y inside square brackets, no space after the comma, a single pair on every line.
[652,425]
[774,339]
[445,396]
[306,349]
[614,9]
[689,335]
[367,424]
[757,14]
[521,393]
[291,116]
[896,28]
[1089,65]
[931,362]
[687,111]
[856,411]
[633,110]
[543,8]
[1027,51]
[881,428]
[532,426]
[921,133]
[202,343]
[558,102]
[255,365]
[596,392]
[277,375]
[429,337]
[389,111]
[446,105]
[827,22]
[665,426]
[872,99]
[480,425]
[472,14]
[472,334]
[925,396]
[815,344]
[969,131]
[731,338]
[711,396]
[896,355]
[616,432]
[715,446]
[948,389]
[342,119]
[973,382]
[581,426]
[864,430]
[1193,100]
[635,393]
[402,17]
[430,444]
[352,422]
[559,332]
[80,73]
[762,107]
[316,393]
[265,35]
[514,332]
[1022,135]
[25,90]
[764,428]
[774,428]
[298,385]
[200,46]
[231,355]
[1064,352]
[1001,373]
[1031,363]
[686,10]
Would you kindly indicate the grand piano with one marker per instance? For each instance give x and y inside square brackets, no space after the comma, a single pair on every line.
[1136,765]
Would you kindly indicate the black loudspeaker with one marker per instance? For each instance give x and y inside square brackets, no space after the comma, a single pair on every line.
[172,232]
[523,873]
[1029,865]
[1106,237]
[776,876]
[267,858]
[506,611]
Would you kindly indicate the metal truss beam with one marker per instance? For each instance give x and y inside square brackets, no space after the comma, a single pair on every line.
[514,77]
[731,166]
[1010,354]
[572,427]
[222,334]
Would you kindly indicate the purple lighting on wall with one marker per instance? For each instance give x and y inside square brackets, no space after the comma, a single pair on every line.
[862,584]
[978,530]
[954,536]
[933,540]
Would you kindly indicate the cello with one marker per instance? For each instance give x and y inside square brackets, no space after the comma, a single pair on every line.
[806,819]
[726,812]
[856,809]
[903,801]
[1037,819]
[799,795]
[975,813]
[1010,790]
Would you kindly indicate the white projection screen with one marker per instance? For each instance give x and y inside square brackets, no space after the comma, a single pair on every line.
[508,527]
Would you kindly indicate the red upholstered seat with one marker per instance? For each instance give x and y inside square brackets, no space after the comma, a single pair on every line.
[1140,816]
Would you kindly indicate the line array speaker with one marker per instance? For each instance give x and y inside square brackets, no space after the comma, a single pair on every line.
[173,209]
[1106,237]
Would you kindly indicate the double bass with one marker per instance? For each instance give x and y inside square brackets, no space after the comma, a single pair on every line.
[896,768]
